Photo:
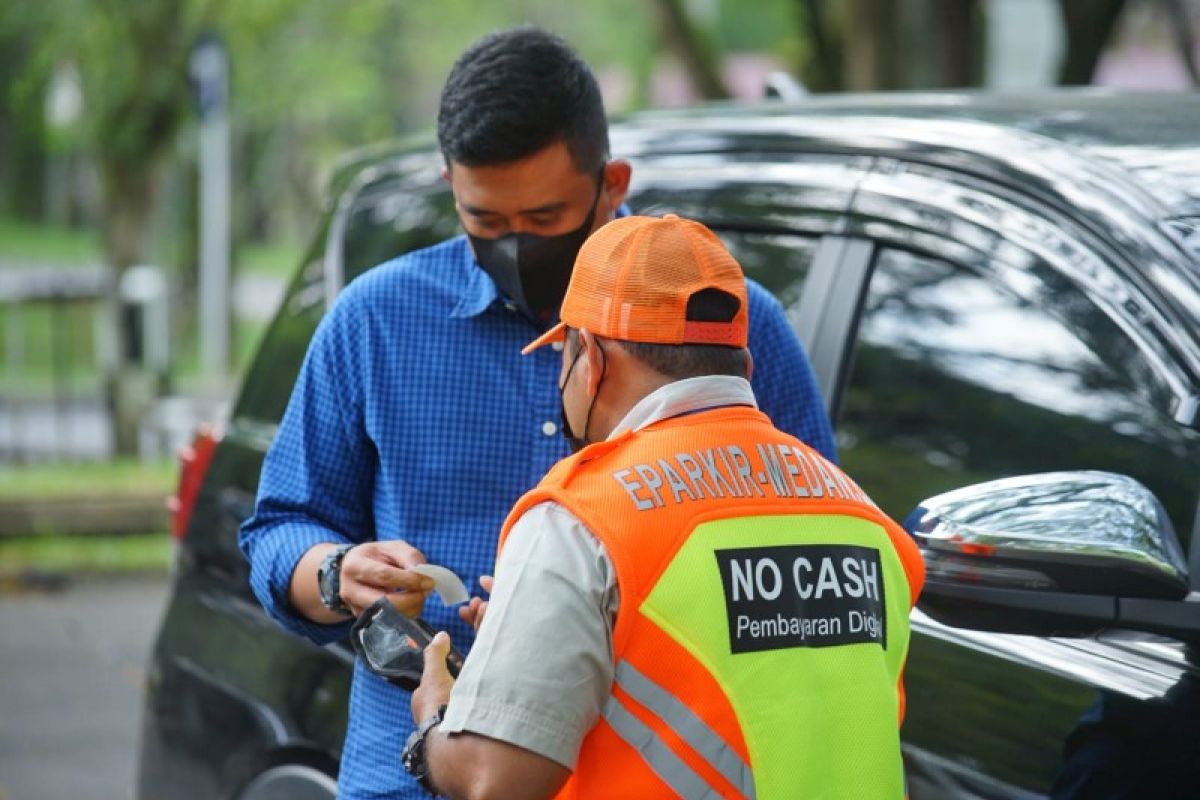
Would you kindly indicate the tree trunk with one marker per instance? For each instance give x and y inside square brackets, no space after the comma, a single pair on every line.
[1089,25]
[129,190]
[960,39]
[1184,38]
[872,31]
[132,139]
[699,60]
[23,158]
[823,68]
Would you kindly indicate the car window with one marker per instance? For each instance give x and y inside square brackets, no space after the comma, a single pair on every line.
[389,216]
[394,217]
[961,377]
[779,262]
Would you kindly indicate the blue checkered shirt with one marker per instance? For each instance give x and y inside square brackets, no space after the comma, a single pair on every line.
[416,417]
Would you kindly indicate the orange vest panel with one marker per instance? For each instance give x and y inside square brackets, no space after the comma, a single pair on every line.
[643,494]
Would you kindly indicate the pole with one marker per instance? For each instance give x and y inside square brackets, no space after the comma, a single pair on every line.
[210,71]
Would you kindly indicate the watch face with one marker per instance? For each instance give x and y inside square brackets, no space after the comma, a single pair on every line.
[323,580]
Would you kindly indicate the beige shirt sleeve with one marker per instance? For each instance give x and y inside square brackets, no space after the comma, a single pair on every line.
[541,667]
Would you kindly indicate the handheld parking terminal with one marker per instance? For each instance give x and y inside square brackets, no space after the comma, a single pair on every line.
[393,644]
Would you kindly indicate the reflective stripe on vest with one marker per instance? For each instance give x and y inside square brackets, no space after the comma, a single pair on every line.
[687,726]
[682,779]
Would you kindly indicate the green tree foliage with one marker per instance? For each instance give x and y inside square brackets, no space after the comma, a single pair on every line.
[310,79]
[132,59]
[23,138]
[313,78]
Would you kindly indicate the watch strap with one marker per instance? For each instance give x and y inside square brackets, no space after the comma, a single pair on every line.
[329,579]
[413,757]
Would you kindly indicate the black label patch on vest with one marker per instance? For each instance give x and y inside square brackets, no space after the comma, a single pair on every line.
[803,596]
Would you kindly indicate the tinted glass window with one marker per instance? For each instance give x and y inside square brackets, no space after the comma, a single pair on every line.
[389,217]
[779,262]
[393,218]
[268,381]
[960,378]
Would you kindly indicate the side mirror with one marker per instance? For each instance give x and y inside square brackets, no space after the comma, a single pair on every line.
[1055,554]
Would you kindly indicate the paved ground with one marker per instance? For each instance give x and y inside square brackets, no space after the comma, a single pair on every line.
[71,670]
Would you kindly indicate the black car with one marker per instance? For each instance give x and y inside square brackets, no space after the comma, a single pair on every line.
[989,288]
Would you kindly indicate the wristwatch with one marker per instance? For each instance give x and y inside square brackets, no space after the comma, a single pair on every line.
[329,579]
[413,756]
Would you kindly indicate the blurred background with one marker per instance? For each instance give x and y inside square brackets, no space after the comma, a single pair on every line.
[162,166]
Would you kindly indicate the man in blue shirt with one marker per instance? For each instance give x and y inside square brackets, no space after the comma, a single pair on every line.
[415,424]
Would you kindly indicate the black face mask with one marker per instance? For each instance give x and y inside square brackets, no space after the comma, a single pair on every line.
[577,443]
[534,271]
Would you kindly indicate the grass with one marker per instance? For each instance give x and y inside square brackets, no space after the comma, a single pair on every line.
[25,241]
[66,555]
[35,373]
[21,240]
[246,336]
[43,339]
[87,479]
[36,339]
[277,258]
[73,555]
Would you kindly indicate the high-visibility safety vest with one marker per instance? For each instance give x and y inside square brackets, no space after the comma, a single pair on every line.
[763,620]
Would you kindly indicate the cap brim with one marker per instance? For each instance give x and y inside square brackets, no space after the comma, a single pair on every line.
[555,334]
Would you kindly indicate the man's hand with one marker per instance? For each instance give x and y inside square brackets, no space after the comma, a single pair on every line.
[373,569]
[472,613]
[369,571]
[436,680]
[468,765]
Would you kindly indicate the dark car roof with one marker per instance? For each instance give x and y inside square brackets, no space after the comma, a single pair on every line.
[1125,165]
[1156,136]
[1153,136]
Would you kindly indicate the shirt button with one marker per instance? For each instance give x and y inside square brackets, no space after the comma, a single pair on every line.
[549,428]
[557,346]
[511,306]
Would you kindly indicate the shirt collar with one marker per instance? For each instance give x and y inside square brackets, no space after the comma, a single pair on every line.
[684,396]
[479,291]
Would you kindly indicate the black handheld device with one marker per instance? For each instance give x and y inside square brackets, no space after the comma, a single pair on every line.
[392,644]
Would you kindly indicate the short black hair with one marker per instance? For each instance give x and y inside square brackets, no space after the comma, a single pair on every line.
[679,361]
[515,92]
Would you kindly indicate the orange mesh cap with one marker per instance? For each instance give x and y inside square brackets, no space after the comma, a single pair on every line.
[633,279]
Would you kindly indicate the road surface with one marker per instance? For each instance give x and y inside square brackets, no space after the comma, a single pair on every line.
[72,663]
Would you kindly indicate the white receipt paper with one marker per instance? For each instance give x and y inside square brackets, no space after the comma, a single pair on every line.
[449,586]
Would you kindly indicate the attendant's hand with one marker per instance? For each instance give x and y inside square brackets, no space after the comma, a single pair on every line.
[436,680]
[472,613]
[373,569]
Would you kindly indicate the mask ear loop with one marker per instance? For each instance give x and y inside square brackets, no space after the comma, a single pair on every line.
[575,442]
[579,442]
[603,371]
